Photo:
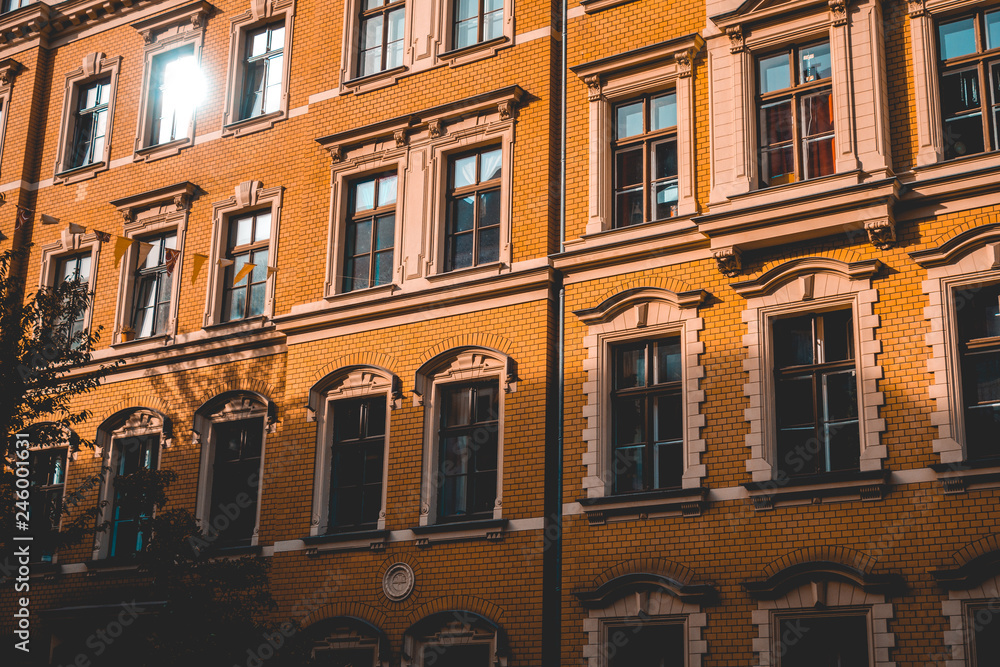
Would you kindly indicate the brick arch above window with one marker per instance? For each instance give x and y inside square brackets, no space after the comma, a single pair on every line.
[464,363]
[347,634]
[455,628]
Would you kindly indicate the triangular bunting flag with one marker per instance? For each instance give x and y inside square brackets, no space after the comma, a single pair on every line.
[121,245]
[103,237]
[144,249]
[247,268]
[271,270]
[199,261]
[23,216]
[224,262]
[170,259]
[74,228]
[50,220]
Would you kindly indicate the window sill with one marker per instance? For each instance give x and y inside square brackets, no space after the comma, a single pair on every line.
[77,174]
[113,566]
[142,344]
[361,295]
[159,151]
[364,84]
[591,6]
[968,475]
[255,124]
[964,177]
[234,327]
[487,529]
[614,245]
[849,485]
[473,52]
[472,272]
[237,551]
[667,502]
[373,540]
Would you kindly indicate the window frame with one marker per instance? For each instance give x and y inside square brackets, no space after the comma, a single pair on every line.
[352,382]
[779,643]
[447,49]
[374,214]
[476,190]
[136,422]
[227,408]
[797,287]
[68,245]
[96,67]
[162,35]
[250,250]
[249,196]
[451,368]
[388,7]
[440,473]
[617,80]
[260,15]
[160,275]
[147,214]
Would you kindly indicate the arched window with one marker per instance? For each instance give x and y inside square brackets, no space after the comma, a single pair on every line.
[232,430]
[455,638]
[348,641]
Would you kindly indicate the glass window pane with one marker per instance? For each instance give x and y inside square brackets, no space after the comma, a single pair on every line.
[628,208]
[256,300]
[463,172]
[489,208]
[629,120]
[363,237]
[665,200]
[794,401]
[830,640]
[464,214]
[630,420]
[258,43]
[364,195]
[627,466]
[963,136]
[630,366]
[460,255]
[385,232]
[489,165]
[262,227]
[817,114]
[387,190]
[664,111]
[957,38]
[467,9]
[774,73]
[382,268]
[665,159]
[793,341]
[371,32]
[838,335]
[668,420]
[243,233]
[466,33]
[840,396]
[396,25]
[237,304]
[776,122]
[668,361]
[628,171]
[489,246]
[492,25]
[814,62]
[645,645]
[277,37]
[960,91]
[992,30]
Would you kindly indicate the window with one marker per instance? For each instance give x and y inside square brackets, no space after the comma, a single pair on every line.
[259,65]
[358,451]
[248,244]
[472,232]
[75,267]
[645,645]
[795,99]
[87,119]
[129,523]
[477,21]
[347,641]
[238,446]
[90,123]
[456,638]
[232,431]
[978,314]
[822,641]
[380,46]
[263,68]
[48,482]
[467,457]
[153,287]
[371,233]
[645,156]
[984,639]
[244,231]
[647,416]
[816,393]
[171,105]
[970,83]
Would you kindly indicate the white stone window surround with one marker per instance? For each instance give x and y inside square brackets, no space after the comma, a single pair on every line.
[343,174]
[351,633]
[969,258]
[798,287]
[261,13]
[610,81]
[162,34]
[95,66]
[457,628]
[132,423]
[248,196]
[349,79]
[642,314]
[229,407]
[421,143]
[458,366]
[814,599]
[444,46]
[346,383]
[860,98]
[158,211]
[70,244]
[645,608]
[964,609]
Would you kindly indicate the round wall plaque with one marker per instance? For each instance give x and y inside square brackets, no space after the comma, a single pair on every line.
[398,582]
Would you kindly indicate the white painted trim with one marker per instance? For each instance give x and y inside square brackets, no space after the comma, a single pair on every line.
[959,609]
[652,608]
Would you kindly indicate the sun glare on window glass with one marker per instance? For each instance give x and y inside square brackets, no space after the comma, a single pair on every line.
[183,90]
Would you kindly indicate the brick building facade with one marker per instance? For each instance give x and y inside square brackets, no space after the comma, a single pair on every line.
[627,332]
